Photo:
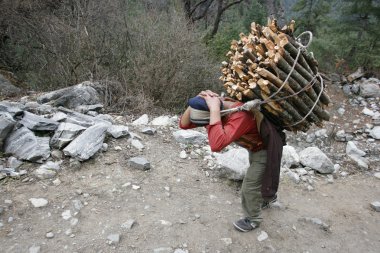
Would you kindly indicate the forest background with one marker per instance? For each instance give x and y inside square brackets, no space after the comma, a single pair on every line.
[155,54]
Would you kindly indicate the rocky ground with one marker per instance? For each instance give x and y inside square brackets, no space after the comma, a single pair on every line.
[175,200]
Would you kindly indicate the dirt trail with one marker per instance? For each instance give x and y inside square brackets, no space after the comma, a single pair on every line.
[179,207]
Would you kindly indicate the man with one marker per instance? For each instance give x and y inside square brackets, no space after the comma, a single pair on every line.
[251,130]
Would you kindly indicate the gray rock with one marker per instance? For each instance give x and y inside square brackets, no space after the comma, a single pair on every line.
[316,221]
[368,112]
[233,163]
[375,133]
[6,126]
[148,131]
[113,238]
[14,109]
[347,89]
[314,158]
[77,204]
[290,157]
[369,87]
[117,131]
[65,133]
[81,119]
[355,88]
[72,97]
[57,155]
[377,175]
[340,136]
[105,117]
[128,224]
[143,120]
[341,111]
[38,108]
[35,249]
[39,202]
[49,165]
[59,116]
[310,138]
[24,145]
[180,251]
[50,235]
[293,176]
[37,123]
[356,155]
[139,163]
[376,206]
[7,88]
[88,143]
[161,121]
[137,144]
[13,162]
[44,173]
[75,164]
[189,137]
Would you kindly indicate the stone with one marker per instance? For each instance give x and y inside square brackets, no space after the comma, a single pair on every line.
[7,88]
[72,97]
[13,162]
[6,126]
[39,202]
[233,163]
[369,88]
[50,235]
[341,111]
[128,224]
[65,133]
[356,155]
[75,164]
[74,222]
[77,204]
[347,89]
[293,176]
[368,112]
[104,147]
[314,158]
[136,187]
[290,157]
[376,206]
[24,145]
[14,109]
[310,138]
[113,238]
[183,154]
[49,165]
[44,173]
[148,130]
[37,123]
[262,236]
[66,215]
[57,155]
[36,108]
[137,144]
[375,133]
[161,121]
[35,249]
[143,120]
[89,108]
[189,137]
[316,221]
[57,182]
[377,175]
[88,143]
[117,131]
[340,136]
[180,251]
[59,116]
[105,117]
[139,163]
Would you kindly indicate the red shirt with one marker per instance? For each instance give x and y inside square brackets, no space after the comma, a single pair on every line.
[238,127]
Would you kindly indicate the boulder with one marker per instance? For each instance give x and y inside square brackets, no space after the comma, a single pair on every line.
[23,144]
[65,133]
[369,87]
[189,137]
[314,158]
[72,97]
[14,109]
[375,132]
[88,143]
[6,126]
[290,157]
[7,88]
[117,131]
[143,120]
[80,118]
[233,163]
[37,123]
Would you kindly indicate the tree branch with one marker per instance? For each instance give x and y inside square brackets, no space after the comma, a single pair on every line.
[231,4]
[204,12]
[196,6]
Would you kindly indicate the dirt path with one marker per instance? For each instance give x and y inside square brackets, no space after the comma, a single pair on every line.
[179,207]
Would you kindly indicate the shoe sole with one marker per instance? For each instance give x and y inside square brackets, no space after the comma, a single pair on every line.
[240,229]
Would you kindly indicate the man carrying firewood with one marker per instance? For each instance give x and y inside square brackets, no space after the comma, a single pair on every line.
[251,130]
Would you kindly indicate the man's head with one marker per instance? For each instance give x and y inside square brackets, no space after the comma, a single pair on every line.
[199,111]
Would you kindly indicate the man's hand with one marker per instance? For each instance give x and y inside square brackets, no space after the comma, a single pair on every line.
[204,93]
[213,103]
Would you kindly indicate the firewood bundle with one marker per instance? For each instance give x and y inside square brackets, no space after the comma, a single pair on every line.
[271,65]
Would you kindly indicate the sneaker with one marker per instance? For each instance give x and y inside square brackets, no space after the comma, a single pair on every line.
[267,203]
[245,225]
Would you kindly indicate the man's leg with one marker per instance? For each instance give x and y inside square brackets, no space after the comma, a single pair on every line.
[251,192]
